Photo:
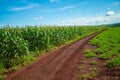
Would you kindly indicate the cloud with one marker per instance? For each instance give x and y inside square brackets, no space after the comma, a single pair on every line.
[115,4]
[92,20]
[66,7]
[29,6]
[60,8]
[54,0]
[38,18]
[110,13]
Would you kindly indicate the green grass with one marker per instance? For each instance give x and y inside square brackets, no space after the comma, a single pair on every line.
[17,67]
[108,43]
[2,69]
[93,63]
[88,76]
[82,67]
[93,69]
[1,77]
[27,59]
[114,62]
[89,54]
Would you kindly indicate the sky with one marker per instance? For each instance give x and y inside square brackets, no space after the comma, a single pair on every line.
[59,12]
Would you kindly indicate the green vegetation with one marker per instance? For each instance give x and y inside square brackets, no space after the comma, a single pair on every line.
[108,43]
[1,77]
[93,63]
[21,45]
[82,67]
[115,62]
[88,76]
[89,54]
[93,69]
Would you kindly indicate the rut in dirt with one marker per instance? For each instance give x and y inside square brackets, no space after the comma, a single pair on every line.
[58,65]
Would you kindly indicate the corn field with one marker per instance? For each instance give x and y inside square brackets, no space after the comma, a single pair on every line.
[16,43]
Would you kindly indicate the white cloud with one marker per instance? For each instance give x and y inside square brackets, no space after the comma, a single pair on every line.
[38,18]
[61,8]
[66,7]
[30,5]
[109,13]
[54,0]
[92,20]
[115,4]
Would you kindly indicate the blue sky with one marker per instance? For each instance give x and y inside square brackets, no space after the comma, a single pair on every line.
[59,12]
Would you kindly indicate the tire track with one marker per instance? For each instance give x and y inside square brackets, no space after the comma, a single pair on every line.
[65,72]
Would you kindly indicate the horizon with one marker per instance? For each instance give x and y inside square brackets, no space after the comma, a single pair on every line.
[59,12]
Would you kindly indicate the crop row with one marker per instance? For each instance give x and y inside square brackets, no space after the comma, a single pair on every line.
[108,43]
[16,44]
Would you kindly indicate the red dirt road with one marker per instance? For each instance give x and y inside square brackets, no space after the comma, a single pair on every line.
[61,64]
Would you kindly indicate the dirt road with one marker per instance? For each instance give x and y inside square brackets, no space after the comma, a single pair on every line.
[56,65]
